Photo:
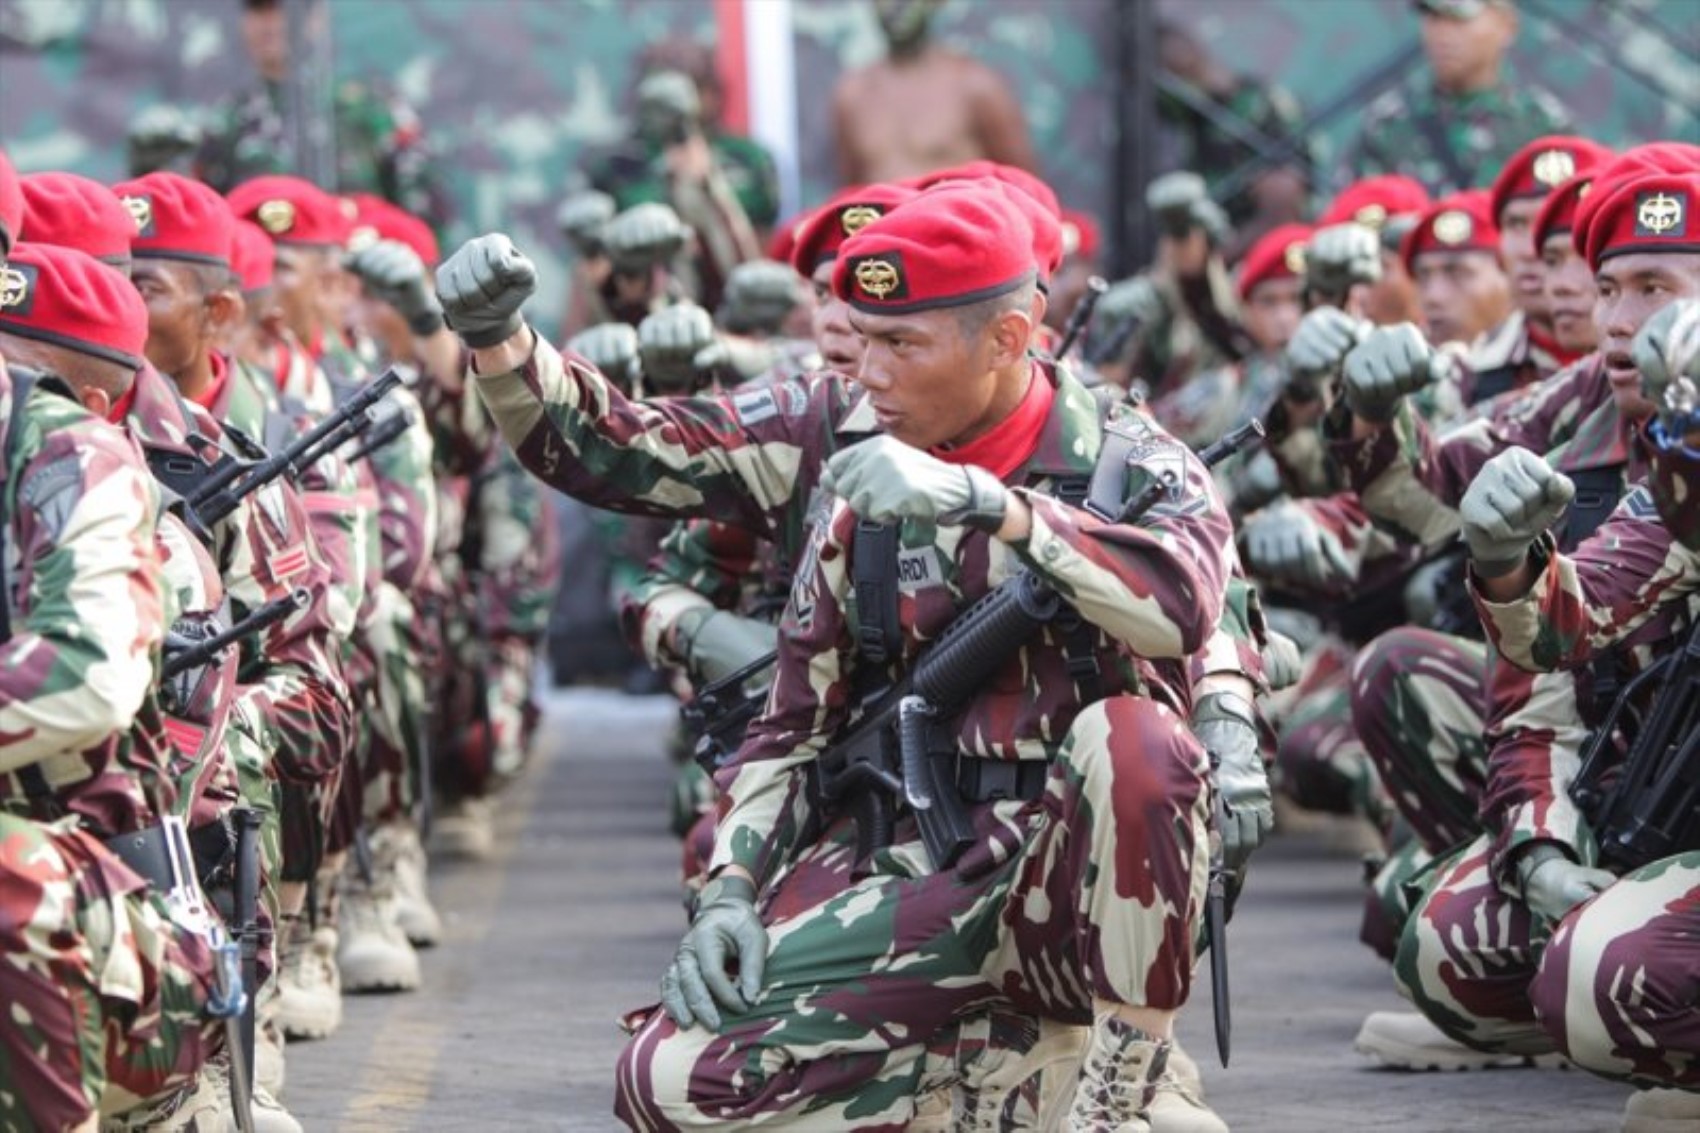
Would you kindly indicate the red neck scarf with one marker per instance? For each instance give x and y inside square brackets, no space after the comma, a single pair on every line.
[215,389]
[1007,445]
[121,408]
[1547,344]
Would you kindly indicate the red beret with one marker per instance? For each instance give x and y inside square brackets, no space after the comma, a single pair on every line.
[1541,166]
[784,239]
[11,205]
[1653,213]
[942,249]
[1080,234]
[1458,223]
[1011,175]
[177,218]
[1558,212]
[847,213]
[75,212]
[68,298]
[292,211]
[1373,200]
[1277,254]
[378,219]
[1046,225]
[1630,165]
[252,256]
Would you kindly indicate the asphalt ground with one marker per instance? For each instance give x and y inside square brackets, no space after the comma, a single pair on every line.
[571,923]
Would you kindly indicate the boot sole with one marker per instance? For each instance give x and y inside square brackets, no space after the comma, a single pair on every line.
[1421,1059]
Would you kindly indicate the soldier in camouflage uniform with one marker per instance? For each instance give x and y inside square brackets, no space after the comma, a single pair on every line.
[379,140]
[1529,939]
[743,437]
[106,983]
[1456,123]
[1423,699]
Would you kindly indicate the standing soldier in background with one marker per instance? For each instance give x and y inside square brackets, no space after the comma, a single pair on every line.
[379,143]
[1453,127]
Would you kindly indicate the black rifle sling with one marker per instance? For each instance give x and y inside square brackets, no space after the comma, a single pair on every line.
[30,775]
[873,572]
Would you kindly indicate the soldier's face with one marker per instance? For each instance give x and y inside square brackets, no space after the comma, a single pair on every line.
[1465,54]
[266,36]
[307,284]
[930,383]
[834,337]
[1570,295]
[179,318]
[1462,294]
[1521,258]
[1273,311]
[1633,288]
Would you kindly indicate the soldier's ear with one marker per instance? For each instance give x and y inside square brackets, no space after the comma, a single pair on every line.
[225,309]
[1011,332]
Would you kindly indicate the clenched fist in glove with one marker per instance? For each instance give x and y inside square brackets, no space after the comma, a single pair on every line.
[1388,364]
[1341,256]
[611,348]
[1225,725]
[669,341]
[1320,344]
[887,481]
[393,273]
[1513,499]
[726,930]
[581,219]
[644,237]
[1286,543]
[482,288]
[1667,352]
[1553,884]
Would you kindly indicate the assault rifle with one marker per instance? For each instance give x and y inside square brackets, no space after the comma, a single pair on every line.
[389,428]
[1651,808]
[183,654]
[720,712]
[214,491]
[1081,317]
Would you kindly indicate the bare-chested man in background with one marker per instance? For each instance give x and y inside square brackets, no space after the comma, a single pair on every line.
[923,107]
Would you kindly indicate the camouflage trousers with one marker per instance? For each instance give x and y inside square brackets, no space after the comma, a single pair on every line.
[403,644]
[1613,986]
[104,995]
[1319,761]
[1091,892]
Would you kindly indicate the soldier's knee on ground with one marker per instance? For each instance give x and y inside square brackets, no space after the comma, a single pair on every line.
[1139,752]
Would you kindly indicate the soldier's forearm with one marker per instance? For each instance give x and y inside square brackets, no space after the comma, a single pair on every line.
[506,356]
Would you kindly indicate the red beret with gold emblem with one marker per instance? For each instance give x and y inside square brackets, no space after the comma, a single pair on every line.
[76,212]
[11,205]
[1277,254]
[293,211]
[1558,212]
[177,218]
[1458,223]
[377,219]
[1630,165]
[942,249]
[847,213]
[1374,200]
[1012,175]
[253,257]
[1652,213]
[1542,166]
[68,298]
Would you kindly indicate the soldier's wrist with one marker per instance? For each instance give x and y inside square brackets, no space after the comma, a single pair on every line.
[504,356]
[1530,858]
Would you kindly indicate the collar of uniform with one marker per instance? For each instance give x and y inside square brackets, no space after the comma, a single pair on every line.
[1073,432]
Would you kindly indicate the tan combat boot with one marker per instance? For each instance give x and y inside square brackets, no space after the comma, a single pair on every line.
[1029,1089]
[1118,1079]
[309,991]
[1179,1106]
[373,953]
[269,1114]
[398,850]
[465,829]
[1406,1040]
[1661,1111]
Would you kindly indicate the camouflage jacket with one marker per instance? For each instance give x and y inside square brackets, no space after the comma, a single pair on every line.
[1509,358]
[1186,139]
[379,147]
[293,700]
[87,617]
[1410,481]
[701,564]
[1150,591]
[634,173]
[1474,134]
[1626,589]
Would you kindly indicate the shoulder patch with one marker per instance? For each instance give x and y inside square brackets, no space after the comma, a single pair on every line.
[755,406]
[51,492]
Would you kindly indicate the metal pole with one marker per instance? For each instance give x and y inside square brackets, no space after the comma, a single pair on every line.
[1136,132]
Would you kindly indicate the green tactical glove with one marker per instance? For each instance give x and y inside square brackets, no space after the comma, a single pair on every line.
[1667,352]
[1181,202]
[669,107]
[887,481]
[1553,884]
[482,288]
[1287,544]
[669,341]
[1225,724]
[759,296]
[725,930]
[611,348]
[644,237]
[1319,346]
[1283,664]
[394,274]
[739,358]
[1388,364]
[1513,499]
[1339,256]
[1126,308]
[717,643]
[581,219]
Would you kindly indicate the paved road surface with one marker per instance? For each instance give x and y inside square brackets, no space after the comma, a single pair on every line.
[573,921]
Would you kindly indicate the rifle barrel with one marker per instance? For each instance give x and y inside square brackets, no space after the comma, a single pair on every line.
[203,651]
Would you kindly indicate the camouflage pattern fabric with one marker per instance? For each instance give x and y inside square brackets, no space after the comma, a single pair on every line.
[1320,762]
[859,984]
[105,994]
[1506,358]
[1477,132]
[634,173]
